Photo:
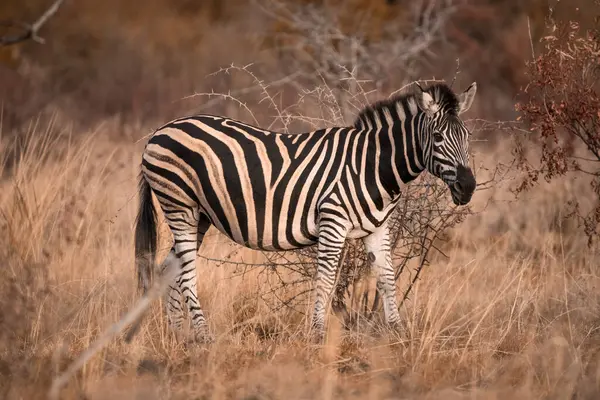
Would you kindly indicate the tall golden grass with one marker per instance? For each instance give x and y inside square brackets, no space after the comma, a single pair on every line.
[513,312]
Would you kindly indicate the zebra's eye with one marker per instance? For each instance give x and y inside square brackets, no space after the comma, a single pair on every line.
[437,137]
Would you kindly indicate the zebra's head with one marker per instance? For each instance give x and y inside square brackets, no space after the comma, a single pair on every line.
[445,138]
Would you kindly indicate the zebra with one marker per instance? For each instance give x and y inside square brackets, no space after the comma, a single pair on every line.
[274,191]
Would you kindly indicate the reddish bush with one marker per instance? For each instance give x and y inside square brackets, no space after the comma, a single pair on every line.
[562,107]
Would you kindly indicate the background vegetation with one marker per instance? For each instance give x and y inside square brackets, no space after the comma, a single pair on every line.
[508,302]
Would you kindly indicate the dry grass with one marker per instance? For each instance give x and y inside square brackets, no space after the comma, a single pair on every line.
[512,313]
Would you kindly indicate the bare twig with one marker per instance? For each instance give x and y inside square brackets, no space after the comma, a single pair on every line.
[30,31]
[456,72]
[530,39]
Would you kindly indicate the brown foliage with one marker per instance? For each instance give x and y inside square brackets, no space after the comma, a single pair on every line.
[562,105]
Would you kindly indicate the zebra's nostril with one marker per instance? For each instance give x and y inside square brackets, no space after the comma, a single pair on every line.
[458,187]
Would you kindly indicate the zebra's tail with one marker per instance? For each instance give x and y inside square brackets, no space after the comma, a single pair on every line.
[145,236]
[145,246]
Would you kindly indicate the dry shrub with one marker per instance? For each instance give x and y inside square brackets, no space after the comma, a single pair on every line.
[338,64]
[419,225]
[561,103]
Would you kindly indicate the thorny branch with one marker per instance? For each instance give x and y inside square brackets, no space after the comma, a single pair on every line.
[418,226]
[338,74]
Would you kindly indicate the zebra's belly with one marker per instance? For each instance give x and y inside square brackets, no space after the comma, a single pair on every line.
[264,231]
[368,226]
[269,245]
[357,233]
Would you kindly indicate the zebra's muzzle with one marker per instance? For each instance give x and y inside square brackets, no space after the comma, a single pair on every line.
[463,187]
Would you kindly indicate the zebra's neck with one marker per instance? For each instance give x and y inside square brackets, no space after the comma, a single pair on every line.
[396,136]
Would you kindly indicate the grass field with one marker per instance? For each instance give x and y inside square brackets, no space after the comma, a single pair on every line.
[513,312]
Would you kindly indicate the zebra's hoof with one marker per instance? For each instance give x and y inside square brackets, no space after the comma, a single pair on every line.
[398,329]
[203,337]
[316,336]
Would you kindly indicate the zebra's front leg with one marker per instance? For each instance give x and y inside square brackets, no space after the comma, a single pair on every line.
[377,246]
[332,236]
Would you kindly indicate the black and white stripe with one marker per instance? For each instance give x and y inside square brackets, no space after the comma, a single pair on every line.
[280,191]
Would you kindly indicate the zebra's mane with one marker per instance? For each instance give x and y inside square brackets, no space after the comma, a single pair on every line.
[442,94]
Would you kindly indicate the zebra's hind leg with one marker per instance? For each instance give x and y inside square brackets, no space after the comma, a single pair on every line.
[173,300]
[186,246]
[332,236]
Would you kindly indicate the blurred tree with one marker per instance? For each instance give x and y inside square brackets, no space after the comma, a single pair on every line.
[116,56]
[326,42]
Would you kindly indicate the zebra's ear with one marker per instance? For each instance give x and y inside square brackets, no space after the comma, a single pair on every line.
[465,99]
